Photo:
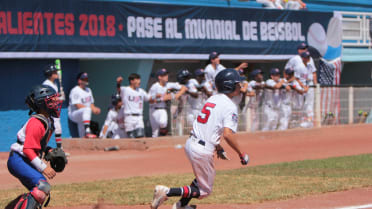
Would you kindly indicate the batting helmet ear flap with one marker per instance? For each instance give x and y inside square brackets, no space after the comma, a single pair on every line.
[31,103]
[229,86]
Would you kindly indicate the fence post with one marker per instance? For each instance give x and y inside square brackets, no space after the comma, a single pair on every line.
[351,105]
[318,113]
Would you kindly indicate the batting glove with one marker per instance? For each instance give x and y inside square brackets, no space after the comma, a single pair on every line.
[244,159]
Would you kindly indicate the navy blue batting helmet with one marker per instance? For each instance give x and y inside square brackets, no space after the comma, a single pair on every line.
[43,97]
[227,79]
[49,70]
[115,99]
[183,75]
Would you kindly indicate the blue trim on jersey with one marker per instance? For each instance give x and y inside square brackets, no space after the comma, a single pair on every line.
[21,168]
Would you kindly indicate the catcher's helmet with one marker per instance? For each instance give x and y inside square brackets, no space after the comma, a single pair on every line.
[183,75]
[43,97]
[49,70]
[115,99]
[227,79]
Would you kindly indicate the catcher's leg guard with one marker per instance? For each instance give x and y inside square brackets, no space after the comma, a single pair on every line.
[41,192]
[27,201]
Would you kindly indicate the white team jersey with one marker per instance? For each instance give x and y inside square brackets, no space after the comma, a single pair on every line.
[112,116]
[80,96]
[291,97]
[210,72]
[218,112]
[156,89]
[255,101]
[192,87]
[272,96]
[51,84]
[304,73]
[133,99]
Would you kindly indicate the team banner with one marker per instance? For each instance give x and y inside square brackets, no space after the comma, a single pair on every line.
[112,28]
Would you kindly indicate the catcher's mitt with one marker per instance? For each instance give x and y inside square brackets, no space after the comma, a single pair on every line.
[57,158]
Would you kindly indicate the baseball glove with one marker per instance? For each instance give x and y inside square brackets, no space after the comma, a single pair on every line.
[57,159]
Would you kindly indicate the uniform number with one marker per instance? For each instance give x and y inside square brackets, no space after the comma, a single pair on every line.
[206,111]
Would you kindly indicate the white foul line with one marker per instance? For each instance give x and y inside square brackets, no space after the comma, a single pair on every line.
[357,207]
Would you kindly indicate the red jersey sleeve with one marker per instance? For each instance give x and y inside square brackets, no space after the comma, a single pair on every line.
[34,133]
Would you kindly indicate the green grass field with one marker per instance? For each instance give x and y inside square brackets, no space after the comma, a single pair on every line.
[246,185]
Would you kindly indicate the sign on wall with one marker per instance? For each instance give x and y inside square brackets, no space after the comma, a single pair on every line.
[89,29]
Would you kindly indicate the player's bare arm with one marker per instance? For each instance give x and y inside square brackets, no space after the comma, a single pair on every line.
[180,92]
[118,83]
[242,66]
[96,110]
[231,139]
[78,106]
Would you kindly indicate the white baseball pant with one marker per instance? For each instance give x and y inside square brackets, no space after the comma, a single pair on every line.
[80,115]
[201,159]
[285,115]
[57,125]
[158,120]
[132,122]
[272,117]
[309,104]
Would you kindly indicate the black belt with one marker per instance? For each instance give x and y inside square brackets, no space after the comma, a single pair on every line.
[160,108]
[134,114]
[19,142]
[201,142]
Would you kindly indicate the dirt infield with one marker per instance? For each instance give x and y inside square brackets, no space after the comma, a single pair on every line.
[163,158]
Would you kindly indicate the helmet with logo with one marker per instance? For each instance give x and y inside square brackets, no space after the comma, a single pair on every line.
[43,97]
[227,79]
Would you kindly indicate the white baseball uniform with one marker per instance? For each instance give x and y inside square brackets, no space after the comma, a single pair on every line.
[271,106]
[218,112]
[57,121]
[305,75]
[289,99]
[115,125]
[255,104]
[195,104]
[158,110]
[84,97]
[210,74]
[133,107]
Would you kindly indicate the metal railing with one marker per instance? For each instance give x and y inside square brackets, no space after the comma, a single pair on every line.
[356,29]
[332,106]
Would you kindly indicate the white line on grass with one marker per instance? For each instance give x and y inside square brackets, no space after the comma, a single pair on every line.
[357,207]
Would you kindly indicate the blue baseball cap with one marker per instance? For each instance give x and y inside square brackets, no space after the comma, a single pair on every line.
[213,55]
[199,72]
[256,72]
[302,46]
[162,71]
[289,70]
[241,71]
[82,75]
[305,54]
[274,71]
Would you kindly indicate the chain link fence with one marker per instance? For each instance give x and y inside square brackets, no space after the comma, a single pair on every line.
[331,106]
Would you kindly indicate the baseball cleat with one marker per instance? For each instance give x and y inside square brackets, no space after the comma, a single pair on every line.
[160,195]
[177,205]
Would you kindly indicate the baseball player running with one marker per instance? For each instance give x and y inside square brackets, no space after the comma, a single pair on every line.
[290,97]
[160,93]
[50,72]
[114,123]
[25,159]
[218,117]
[82,106]
[133,98]
[272,100]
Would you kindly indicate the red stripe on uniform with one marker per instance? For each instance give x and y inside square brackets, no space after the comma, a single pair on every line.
[185,191]
[86,121]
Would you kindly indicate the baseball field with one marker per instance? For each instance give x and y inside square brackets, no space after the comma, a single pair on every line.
[326,167]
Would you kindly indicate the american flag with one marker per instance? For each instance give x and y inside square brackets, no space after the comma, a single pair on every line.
[330,74]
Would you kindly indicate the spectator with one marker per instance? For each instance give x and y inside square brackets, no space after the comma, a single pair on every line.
[215,67]
[257,84]
[294,4]
[272,100]
[161,92]
[82,106]
[271,4]
[290,96]
[133,98]
[114,123]
[305,73]
[50,72]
